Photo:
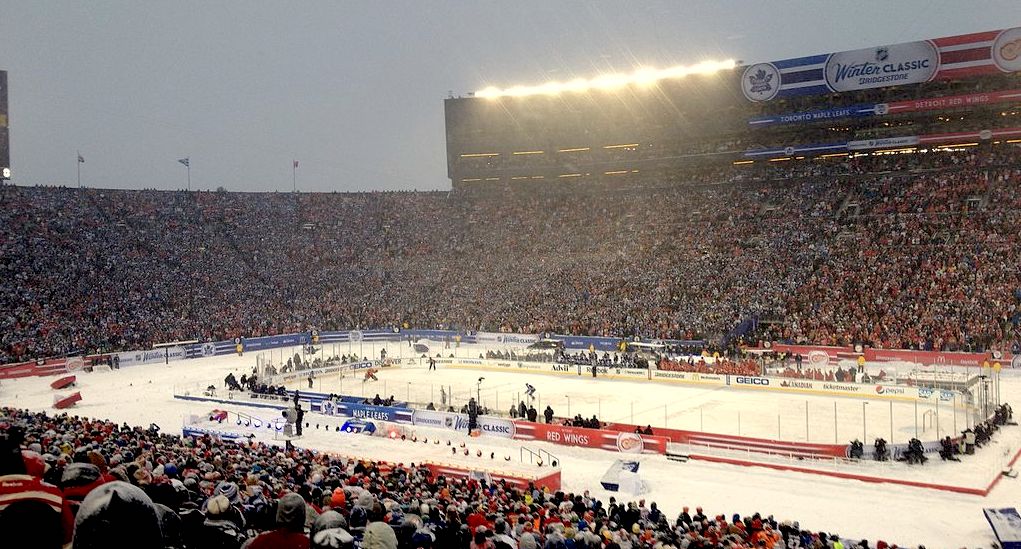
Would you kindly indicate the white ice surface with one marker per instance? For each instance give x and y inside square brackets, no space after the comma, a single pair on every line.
[904,515]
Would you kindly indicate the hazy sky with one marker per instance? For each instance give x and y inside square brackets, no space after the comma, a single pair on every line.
[354,90]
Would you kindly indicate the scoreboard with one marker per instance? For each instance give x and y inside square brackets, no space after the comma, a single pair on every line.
[5,151]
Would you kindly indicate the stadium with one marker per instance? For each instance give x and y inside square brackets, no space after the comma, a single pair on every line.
[724,304]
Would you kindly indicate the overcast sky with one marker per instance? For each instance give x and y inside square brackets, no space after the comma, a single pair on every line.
[354,90]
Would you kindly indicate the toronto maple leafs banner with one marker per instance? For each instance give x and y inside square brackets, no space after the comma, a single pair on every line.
[853,111]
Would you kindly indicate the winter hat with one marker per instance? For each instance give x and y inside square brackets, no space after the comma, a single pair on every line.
[217,505]
[328,532]
[229,490]
[34,464]
[379,535]
[114,512]
[527,541]
[338,499]
[291,512]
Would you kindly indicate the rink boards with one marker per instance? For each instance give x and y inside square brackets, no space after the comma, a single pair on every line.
[752,383]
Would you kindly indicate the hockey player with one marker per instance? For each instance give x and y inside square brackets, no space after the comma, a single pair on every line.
[370,374]
[530,391]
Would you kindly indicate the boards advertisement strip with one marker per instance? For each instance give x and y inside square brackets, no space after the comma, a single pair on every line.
[491,426]
[378,413]
[152,356]
[627,443]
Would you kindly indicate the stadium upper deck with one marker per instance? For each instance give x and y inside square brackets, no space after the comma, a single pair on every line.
[940,92]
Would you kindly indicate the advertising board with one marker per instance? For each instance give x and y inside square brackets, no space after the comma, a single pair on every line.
[946,58]
[623,442]
[377,413]
[492,426]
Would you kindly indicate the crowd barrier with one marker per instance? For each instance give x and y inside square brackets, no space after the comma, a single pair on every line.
[734,442]
[40,368]
[172,353]
[281,378]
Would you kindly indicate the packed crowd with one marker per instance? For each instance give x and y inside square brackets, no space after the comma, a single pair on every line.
[839,375]
[722,366]
[95,484]
[921,258]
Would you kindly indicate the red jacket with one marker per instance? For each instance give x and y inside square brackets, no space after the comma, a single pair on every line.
[280,539]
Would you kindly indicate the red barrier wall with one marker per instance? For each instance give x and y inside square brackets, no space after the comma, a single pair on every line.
[28,369]
[734,442]
[618,441]
[551,481]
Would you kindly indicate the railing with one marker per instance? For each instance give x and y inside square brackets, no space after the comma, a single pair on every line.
[538,457]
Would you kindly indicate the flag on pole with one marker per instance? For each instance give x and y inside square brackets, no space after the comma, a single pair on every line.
[183,161]
[81,159]
[295,163]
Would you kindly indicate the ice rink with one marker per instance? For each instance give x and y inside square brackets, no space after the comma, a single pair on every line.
[811,418]
[144,394]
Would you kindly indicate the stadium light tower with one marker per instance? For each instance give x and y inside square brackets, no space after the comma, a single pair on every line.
[644,76]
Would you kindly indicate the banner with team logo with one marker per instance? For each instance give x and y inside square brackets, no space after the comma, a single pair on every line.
[564,435]
[944,58]
[853,111]
[897,107]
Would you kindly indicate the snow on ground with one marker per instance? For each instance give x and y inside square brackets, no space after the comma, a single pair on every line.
[144,394]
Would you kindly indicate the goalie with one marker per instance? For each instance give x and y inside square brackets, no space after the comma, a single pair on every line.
[371,374]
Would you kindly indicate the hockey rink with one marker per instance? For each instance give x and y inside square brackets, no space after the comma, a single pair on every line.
[145,394]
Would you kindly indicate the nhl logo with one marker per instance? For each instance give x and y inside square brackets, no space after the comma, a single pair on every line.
[882,54]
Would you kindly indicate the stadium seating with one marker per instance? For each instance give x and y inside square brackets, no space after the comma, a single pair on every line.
[911,251]
[161,490]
